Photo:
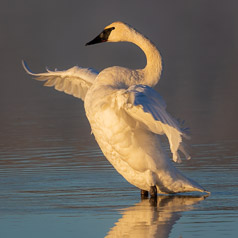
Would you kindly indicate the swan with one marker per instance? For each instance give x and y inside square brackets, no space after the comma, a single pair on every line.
[127,116]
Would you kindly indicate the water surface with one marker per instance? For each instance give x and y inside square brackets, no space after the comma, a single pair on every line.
[58,184]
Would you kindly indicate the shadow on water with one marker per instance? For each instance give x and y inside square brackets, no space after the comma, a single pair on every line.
[153,218]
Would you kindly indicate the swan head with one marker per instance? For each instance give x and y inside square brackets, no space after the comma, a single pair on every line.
[115,32]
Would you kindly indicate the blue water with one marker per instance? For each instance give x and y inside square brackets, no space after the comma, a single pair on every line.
[56,183]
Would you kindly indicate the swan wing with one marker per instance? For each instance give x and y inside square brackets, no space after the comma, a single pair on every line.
[146,106]
[75,81]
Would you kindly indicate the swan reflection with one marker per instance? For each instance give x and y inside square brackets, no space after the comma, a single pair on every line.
[151,218]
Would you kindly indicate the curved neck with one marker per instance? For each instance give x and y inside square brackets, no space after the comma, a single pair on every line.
[153,68]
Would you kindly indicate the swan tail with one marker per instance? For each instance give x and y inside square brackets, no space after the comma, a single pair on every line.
[176,182]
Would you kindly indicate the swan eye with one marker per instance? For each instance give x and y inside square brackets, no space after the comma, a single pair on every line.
[105,34]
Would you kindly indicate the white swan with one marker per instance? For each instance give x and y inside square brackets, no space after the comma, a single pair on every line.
[126,115]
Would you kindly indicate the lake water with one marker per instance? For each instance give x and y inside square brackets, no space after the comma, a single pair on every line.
[55,182]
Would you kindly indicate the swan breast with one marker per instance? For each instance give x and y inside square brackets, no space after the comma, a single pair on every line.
[120,137]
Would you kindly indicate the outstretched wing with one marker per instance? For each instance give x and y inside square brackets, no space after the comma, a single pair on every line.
[145,105]
[75,81]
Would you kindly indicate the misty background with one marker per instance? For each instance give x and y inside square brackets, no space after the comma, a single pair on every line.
[198,41]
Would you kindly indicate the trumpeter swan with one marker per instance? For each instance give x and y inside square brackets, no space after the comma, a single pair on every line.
[126,115]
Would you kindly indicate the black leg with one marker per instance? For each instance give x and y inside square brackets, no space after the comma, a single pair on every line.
[144,194]
[153,192]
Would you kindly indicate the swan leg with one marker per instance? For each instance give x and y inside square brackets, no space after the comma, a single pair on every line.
[153,191]
[144,194]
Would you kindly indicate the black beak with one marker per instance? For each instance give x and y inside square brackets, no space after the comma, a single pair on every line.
[102,37]
[96,40]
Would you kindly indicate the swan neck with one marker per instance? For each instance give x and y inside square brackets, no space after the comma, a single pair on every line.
[153,68]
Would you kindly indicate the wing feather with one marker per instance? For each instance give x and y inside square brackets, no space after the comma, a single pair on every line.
[75,81]
[145,105]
